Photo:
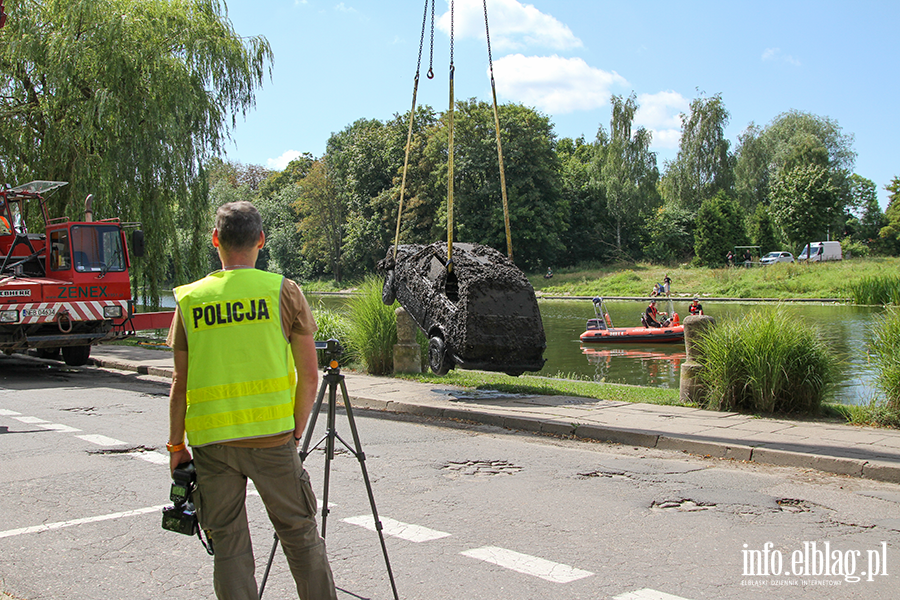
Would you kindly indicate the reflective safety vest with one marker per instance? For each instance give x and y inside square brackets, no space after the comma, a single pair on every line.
[241,379]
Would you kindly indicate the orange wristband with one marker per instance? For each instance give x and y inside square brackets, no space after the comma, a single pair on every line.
[174,447]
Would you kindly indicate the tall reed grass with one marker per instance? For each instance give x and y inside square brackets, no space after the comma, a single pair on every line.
[372,330]
[765,362]
[876,289]
[885,346]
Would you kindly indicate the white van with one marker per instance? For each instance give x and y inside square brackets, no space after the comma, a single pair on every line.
[821,251]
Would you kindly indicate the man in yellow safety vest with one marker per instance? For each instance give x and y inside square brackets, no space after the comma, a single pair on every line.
[243,387]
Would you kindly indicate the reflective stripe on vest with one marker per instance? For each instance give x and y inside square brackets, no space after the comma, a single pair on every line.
[241,379]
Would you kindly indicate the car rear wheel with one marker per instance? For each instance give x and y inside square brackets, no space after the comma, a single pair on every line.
[438,357]
[76,356]
[388,295]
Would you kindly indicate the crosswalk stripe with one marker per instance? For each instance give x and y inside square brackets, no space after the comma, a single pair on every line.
[62,524]
[57,427]
[30,420]
[647,594]
[8,413]
[405,531]
[528,565]
[101,440]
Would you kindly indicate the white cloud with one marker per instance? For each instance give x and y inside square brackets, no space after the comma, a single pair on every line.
[280,163]
[554,84]
[660,114]
[514,26]
[341,7]
[777,55]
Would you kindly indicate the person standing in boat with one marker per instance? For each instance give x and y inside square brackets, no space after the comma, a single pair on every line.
[696,308]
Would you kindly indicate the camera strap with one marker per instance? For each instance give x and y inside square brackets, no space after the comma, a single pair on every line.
[207,545]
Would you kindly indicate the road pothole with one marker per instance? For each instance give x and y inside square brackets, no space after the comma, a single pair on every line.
[681,505]
[793,505]
[480,468]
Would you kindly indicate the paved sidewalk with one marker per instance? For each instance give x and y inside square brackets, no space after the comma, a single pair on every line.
[830,447]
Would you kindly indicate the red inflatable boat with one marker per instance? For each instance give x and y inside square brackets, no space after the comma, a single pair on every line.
[600,329]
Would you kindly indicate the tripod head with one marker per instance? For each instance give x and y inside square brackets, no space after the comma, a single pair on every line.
[332,350]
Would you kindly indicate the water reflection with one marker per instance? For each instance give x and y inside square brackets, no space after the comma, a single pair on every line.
[646,366]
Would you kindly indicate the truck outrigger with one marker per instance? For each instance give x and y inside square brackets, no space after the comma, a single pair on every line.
[66,288]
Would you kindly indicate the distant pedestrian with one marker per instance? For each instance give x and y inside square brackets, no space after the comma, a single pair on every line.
[729,259]
[667,285]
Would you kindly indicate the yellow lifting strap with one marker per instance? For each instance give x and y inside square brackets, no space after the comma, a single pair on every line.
[487,31]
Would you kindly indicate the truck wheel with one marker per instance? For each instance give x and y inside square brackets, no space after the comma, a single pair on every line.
[438,358]
[388,295]
[51,353]
[76,356]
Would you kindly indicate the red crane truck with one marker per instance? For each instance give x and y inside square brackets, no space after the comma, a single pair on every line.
[66,288]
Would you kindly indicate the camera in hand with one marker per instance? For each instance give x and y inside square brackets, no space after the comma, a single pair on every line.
[182,516]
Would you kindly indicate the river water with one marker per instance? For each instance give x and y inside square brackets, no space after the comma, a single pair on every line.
[844,328]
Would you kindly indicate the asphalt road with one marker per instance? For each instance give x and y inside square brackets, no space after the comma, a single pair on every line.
[468,511]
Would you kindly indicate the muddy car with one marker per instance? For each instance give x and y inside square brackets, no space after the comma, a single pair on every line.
[482,314]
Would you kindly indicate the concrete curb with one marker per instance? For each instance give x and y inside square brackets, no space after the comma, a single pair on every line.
[761,454]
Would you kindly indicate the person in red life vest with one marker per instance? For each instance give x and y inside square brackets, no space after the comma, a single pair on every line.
[696,308]
[243,387]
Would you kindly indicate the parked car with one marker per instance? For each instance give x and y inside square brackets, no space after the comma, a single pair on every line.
[481,314]
[775,257]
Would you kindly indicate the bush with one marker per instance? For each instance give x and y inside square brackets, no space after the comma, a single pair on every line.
[885,346]
[333,324]
[765,362]
[373,328]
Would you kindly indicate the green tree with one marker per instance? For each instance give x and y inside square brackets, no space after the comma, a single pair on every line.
[588,227]
[627,170]
[704,165]
[719,227]
[123,99]
[671,234]
[323,222]
[804,201]
[752,168]
[761,229]
[890,233]
[865,218]
[538,217]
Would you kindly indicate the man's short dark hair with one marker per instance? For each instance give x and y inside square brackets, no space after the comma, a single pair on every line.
[239,225]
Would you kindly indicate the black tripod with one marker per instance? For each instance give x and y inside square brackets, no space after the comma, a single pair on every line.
[330,381]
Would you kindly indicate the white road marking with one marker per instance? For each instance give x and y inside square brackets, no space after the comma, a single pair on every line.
[62,524]
[529,565]
[101,440]
[8,413]
[647,594]
[153,457]
[410,533]
[30,420]
[57,427]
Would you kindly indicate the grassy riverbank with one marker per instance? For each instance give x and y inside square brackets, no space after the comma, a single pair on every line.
[782,280]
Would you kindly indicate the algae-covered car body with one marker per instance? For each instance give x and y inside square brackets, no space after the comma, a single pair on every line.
[482,314]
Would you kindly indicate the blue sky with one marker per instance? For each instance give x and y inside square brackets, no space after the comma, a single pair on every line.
[339,61]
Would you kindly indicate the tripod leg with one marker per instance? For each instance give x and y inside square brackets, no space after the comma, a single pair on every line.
[361,457]
[262,585]
[330,434]
[311,422]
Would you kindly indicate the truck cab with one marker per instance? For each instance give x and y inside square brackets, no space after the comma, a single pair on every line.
[63,289]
